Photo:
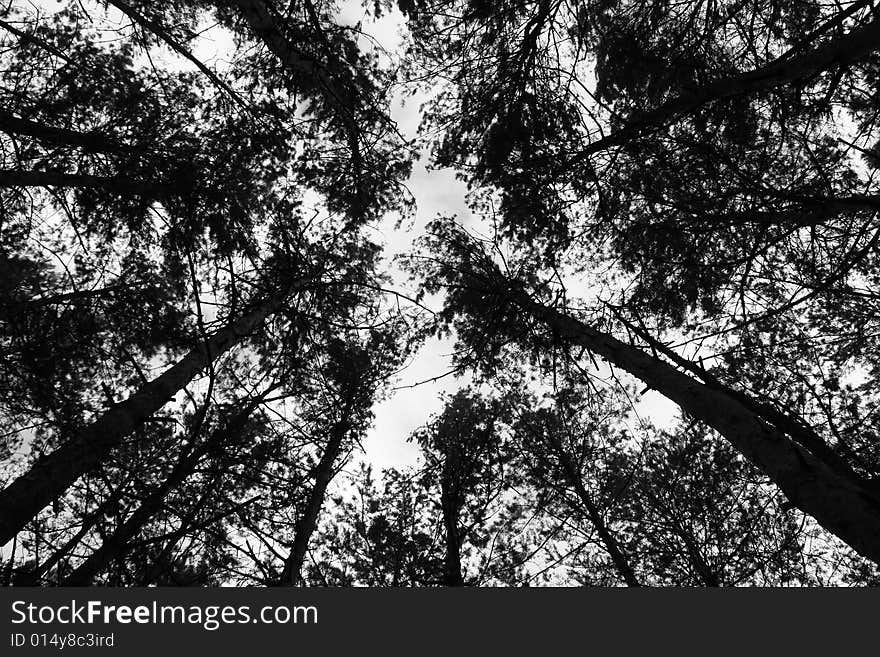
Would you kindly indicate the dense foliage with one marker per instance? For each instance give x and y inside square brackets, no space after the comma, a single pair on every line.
[197,316]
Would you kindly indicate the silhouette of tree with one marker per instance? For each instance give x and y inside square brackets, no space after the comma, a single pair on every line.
[197,317]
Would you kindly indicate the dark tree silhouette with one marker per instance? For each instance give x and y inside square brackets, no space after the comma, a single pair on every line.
[199,315]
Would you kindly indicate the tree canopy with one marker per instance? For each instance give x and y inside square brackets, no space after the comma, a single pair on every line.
[201,308]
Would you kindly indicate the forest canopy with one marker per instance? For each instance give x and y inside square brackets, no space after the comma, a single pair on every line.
[203,298]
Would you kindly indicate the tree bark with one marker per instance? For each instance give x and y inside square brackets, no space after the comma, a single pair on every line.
[451,504]
[796,429]
[50,476]
[840,505]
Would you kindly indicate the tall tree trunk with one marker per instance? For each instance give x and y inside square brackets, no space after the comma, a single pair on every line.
[339,92]
[50,476]
[612,547]
[842,51]
[88,141]
[267,28]
[28,178]
[118,542]
[795,428]
[838,503]
[291,575]
[450,504]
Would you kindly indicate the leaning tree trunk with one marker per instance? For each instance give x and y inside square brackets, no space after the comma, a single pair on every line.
[842,51]
[610,543]
[339,92]
[88,141]
[839,504]
[305,527]
[50,476]
[267,27]
[118,542]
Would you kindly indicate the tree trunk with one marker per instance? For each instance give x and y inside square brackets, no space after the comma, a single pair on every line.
[795,428]
[266,28]
[337,91]
[612,547]
[117,543]
[50,476]
[704,571]
[450,503]
[41,43]
[26,178]
[840,505]
[88,141]
[305,527]
[842,51]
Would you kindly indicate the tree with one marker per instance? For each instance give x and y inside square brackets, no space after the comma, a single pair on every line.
[382,533]
[840,499]
[153,170]
[466,464]
[722,198]
[558,444]
[198,315]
